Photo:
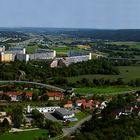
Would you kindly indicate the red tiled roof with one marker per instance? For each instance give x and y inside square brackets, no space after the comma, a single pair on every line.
[69,102]
[29,94]
[138,99]
[55,94]
[81,101]
[13,93]
[18,93]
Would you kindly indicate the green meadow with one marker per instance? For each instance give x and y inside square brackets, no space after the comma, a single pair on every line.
[64,49]
[28,135]
[31,49]
[126,72]
[105,90]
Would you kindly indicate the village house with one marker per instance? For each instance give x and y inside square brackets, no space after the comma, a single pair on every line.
[68,105]
[103,105]
[80,102]
[87,105]
[55,96]
[3,115]
[18,96]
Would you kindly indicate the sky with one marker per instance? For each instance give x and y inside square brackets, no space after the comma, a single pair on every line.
[97,14]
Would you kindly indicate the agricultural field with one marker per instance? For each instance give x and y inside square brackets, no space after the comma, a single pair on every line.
[105,90]
[83,47]
[66,49]
[126,72]
[129,43]
[28,135]
[61,50]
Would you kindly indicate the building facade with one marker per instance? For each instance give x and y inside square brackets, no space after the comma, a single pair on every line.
[6,57]
[55,96]
[43,109]
[22,57]
[43,54]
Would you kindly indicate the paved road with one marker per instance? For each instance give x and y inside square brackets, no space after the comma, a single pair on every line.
[35,83]
[68,131]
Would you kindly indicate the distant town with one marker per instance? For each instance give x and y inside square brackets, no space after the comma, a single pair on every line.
[68,84]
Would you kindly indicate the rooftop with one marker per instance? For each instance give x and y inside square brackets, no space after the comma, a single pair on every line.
[18,93]
[64,111]
[81,101]
[57,94]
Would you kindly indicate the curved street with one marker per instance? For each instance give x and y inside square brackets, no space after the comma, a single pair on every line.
[35,83]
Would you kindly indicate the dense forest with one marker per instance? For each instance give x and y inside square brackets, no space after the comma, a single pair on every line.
[115,35]
[40,71]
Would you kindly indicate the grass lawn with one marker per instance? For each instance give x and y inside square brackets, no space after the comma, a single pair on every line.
[28,135]
[31,49]
[129,43]
[64,49]
[126,72]
[105,90]
[80,115]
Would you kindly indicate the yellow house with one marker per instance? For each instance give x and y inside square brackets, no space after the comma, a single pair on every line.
[5,57]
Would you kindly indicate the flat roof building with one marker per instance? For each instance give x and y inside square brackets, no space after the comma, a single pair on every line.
[63,113]
[43,54]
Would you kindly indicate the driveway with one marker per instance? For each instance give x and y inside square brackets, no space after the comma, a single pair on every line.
[68,131]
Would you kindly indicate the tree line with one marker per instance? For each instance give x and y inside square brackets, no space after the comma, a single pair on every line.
[40,71]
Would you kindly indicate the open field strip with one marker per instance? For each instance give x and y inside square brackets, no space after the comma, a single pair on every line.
[128,43]
[105,90]
[127,73]
[28,135]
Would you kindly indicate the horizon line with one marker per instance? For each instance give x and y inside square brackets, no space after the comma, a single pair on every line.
[19,27]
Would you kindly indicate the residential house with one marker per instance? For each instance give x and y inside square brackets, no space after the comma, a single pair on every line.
[55,96]
[103,104]
[87,105]
[68,105]
[80,102]
[58,62]
[19,96]
[3,115]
